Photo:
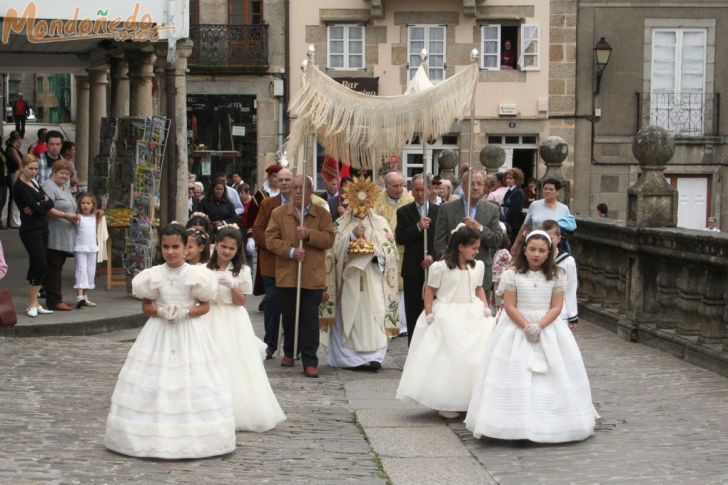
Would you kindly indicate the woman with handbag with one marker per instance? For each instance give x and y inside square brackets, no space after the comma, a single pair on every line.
[34,206]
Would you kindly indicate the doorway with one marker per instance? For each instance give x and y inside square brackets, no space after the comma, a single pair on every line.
[692,203]
[525,159]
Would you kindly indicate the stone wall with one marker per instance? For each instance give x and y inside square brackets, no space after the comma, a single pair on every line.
[562,76]
[663,287]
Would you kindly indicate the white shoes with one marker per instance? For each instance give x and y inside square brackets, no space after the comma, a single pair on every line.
[34,311]
[449,414]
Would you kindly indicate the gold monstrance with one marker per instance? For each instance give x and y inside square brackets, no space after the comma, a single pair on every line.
[360,195]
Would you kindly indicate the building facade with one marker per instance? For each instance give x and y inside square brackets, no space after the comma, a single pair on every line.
[235,95]
[526,89]
[52,98]
[668,68]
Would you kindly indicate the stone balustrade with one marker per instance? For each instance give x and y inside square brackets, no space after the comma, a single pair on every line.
[664,287]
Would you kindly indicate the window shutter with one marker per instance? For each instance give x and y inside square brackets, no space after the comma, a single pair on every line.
[437,39]
[434,39]
[530,58]
[345,45]
[491,35]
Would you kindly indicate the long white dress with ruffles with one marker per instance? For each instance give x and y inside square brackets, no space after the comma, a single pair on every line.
[254,404]
[445,355]
[172,398]
[516,396]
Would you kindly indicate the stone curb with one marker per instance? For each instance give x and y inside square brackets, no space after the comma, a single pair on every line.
[89,327]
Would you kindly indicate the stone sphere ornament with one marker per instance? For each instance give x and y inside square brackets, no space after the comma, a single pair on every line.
[553,150]
[492,157]
[447,159]
[653,146]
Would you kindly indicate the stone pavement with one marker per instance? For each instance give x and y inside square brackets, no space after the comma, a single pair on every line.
[663,420]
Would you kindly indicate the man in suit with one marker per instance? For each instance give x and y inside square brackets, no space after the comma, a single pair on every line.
[282,237]
[480,215]
[413,220]
[266,259]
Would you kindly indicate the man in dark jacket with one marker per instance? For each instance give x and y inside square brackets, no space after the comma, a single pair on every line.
[412,221]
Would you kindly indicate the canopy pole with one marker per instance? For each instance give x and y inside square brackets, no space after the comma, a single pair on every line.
[311,53]
[474,55]
[427,169]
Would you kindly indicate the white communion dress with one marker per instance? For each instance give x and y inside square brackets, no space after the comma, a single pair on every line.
[254,404]
[520,395]
[172,398]
[444,356]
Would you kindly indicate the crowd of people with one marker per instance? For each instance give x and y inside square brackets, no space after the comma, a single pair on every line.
[405,263]
[53,219]
[426,262]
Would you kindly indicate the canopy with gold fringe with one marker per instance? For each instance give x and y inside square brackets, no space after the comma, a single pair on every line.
[358,129]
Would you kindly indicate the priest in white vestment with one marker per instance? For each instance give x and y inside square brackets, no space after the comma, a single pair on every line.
[362,293]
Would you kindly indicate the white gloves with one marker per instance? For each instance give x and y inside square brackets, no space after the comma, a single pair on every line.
[532,331]
[167,312]
[172,313]
[250,245]
[486,312]
[430,317]
[226,279]
[182,314]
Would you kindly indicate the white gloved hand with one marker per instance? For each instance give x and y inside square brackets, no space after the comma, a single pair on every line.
[167,312]
[250,245]
[430,317]
[225,279]
[181,314]
[532,331]
[486,312]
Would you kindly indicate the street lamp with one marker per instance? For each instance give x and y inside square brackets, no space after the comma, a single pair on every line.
[602,51]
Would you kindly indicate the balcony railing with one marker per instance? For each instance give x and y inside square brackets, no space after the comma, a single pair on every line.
[241,46]
[685,114]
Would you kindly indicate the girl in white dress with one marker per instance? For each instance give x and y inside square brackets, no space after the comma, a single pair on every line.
[452,332]
[254,404]
[172,399]
[532,384]
[85,250]
[198,246]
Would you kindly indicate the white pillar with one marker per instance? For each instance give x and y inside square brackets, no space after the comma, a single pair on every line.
[160,64]
[141,73]
[119,88]
[82,128]
[98,82]
[184,50]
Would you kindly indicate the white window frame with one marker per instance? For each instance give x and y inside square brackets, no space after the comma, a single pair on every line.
[678,54]
[416,149]
[346,54]
[677,90]
[536,55]
[498,48]
[412,69]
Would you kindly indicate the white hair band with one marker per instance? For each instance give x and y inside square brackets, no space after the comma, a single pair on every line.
[538,232]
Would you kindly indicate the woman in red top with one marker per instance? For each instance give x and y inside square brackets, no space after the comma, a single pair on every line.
[508,57]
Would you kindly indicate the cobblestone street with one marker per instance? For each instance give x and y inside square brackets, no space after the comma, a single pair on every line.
[663,420]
